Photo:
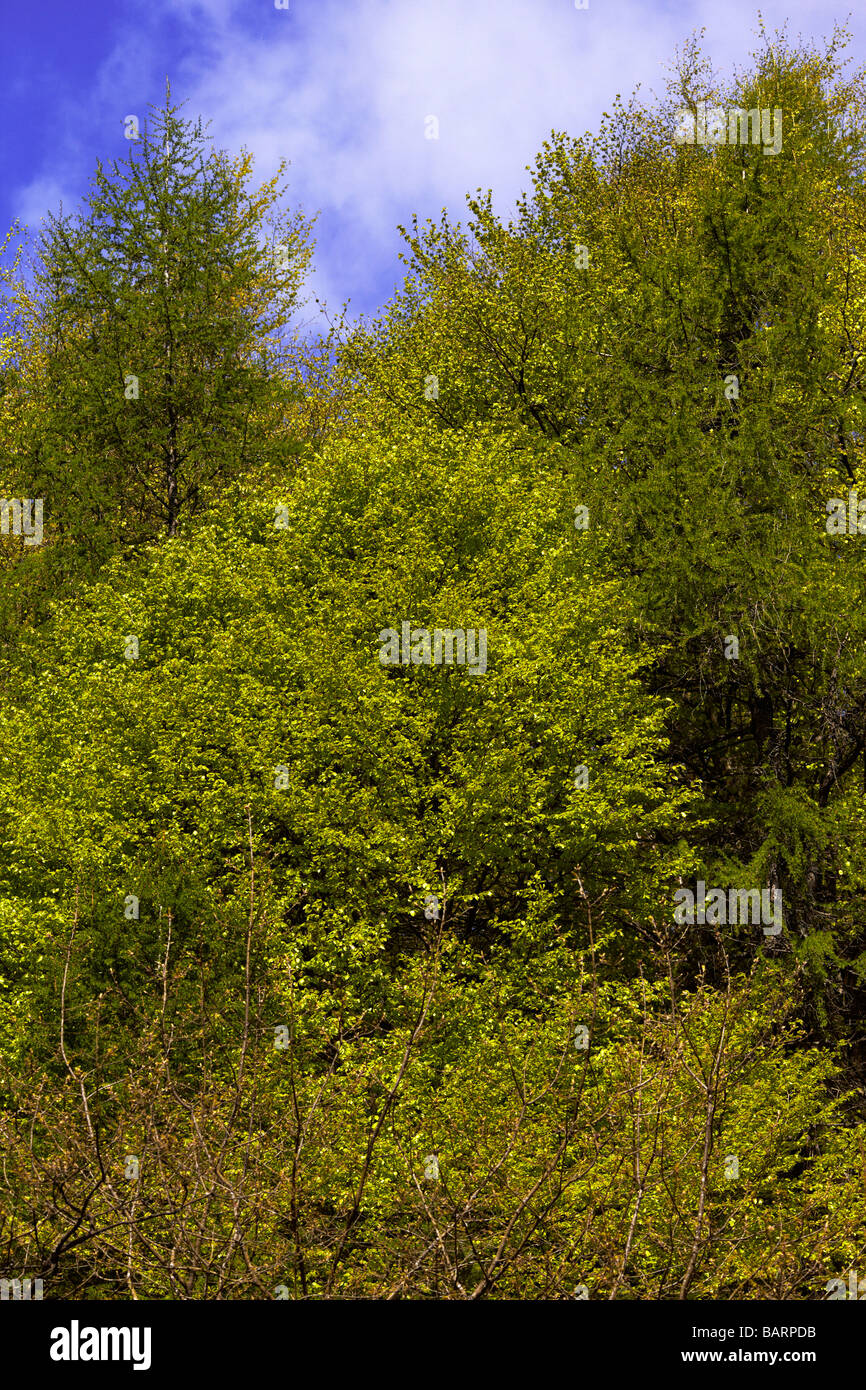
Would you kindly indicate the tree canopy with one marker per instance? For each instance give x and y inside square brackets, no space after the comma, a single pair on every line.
[337,960]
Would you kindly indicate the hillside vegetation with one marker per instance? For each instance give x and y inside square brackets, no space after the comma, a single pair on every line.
[331,970]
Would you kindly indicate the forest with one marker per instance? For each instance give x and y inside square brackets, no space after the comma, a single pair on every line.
[433,749]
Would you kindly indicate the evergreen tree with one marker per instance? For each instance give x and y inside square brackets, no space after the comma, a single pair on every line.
[153,360]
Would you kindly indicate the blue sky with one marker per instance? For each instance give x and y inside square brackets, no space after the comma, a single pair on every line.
[341,88]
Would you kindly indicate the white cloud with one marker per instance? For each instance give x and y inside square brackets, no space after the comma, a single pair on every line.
[342,90]
[35,199]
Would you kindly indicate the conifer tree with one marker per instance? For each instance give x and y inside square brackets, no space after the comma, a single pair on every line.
[156,343]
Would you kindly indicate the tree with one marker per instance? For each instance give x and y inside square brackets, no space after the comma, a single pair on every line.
[152,368]
[338,954]
[684,323]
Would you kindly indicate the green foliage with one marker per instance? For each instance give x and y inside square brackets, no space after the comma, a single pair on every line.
[149,366]
[324,976]
[702,371]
